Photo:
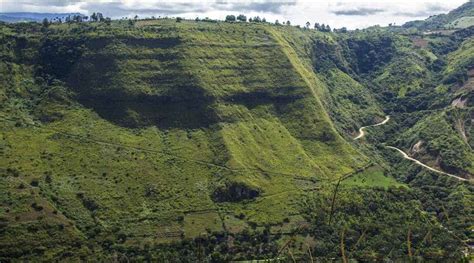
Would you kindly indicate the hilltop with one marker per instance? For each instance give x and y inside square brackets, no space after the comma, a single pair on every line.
[461,17]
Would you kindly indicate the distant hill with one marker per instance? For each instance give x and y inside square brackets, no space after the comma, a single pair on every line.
[461,17]
[32,17]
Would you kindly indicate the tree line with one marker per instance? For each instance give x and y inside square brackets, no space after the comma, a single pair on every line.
[95,17]
[257,19]
[99,17]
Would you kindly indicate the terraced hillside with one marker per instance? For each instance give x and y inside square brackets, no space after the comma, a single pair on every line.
[153,131]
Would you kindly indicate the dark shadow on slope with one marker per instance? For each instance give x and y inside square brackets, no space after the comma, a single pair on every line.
[165,112]
[231,191]
[366,55]
[257,98]
[178,101]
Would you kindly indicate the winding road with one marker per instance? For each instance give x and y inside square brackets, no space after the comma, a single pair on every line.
[361,129]
[387,118]
[424,165]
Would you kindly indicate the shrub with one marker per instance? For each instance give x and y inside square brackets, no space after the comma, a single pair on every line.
[234,192]
[36,207]
[34,183]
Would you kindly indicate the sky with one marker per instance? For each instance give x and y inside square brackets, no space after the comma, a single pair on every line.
[337,13]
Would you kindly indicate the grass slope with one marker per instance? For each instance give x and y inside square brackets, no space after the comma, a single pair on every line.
[125,132]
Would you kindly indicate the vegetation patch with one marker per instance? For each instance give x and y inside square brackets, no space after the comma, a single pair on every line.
[234,192]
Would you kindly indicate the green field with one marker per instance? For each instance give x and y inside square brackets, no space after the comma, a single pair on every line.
[372,177]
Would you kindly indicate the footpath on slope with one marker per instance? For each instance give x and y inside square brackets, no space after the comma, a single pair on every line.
[387,118]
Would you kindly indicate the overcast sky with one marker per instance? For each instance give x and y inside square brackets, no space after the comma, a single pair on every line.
[337,13]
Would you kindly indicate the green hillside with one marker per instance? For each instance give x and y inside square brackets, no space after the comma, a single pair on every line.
[461,17]
[138,128]
[204,141]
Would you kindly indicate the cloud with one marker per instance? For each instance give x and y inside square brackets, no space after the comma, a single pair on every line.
[337,13]
[118,9]
[358,11]
[125,8]
[46,6]
[428,10]
[436,7]
[47,2]
[266,7]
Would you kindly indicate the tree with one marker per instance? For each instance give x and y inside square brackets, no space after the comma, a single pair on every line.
[230,18]
[131,22]
[100,17]
[308,24]
[77,18]
[107,21]
[45,22]
[256,19]
[343,30]
[242,18]
[94,17]
[264,20]
[317,26]
[288,23]
[179,19]
[328,28]
[277,22]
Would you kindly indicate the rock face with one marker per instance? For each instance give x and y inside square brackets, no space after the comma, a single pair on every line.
[417,147]
[234,192]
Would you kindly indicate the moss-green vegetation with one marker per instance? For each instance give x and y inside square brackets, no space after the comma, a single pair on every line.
[130,132]
[364,227]
[438,139]
[371,177]
[462,22]
[413,76]
[459,61]
[352,104]
[457,18]
[216,141]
